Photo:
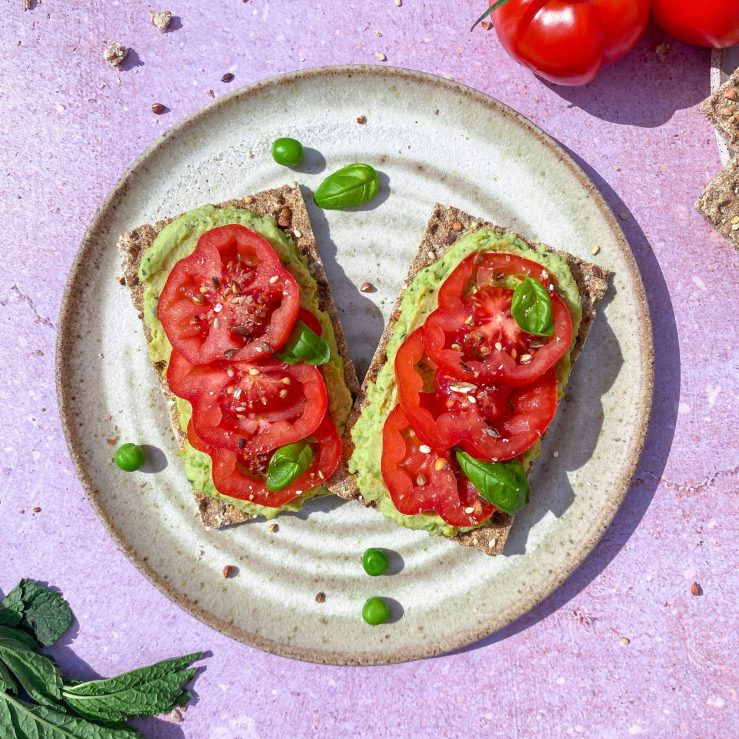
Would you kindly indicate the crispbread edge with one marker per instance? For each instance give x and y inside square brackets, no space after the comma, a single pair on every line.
[445,227]
[215,512]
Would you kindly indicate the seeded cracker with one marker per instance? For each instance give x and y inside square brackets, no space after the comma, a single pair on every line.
[720,203]
[722,109]
[216,512]
[445,226]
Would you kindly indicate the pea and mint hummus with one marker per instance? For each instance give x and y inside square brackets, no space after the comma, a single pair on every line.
[177,240]
[419,300]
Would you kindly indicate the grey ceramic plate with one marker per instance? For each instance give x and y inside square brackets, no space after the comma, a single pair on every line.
[723,64]
[434,140]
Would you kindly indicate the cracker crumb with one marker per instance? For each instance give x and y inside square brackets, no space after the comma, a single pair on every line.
[230,571]
[297,233]
[555,454]
[160,19]
[366,287]
[28,4]
[115,53]
[695,588]
[361,119]
[380,56]
[663,50]
[273,528]
[398,3]
[457,226]
[595,250]
[113,440]
[121,280]
[486,25]
[492,543]
[624,641]
[321,597]
[210,93]
[378,34]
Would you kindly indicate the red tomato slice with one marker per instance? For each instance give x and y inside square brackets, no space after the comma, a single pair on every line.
[230,299]
[479,338]
[242,475]
[310,321]
[424,480]
[491,421]
[242,406]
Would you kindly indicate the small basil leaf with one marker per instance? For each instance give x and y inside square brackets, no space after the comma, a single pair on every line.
[353,185]
[304,346]
[532,308]
[287,464]
[503,484]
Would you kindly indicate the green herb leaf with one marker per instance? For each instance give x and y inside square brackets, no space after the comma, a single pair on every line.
[26,721]
[7,681]
[43,612]
[490,10]
[9,617]
[11,608]
[304,345]
[287,464]
[22,636]
[503,484]
[37,674]
[147,691]
[352,185]
[531,306]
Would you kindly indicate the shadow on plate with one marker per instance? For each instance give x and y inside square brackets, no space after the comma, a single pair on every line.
[618,93]
[659,435]
[156,460]
[313,162]
[361,318]
[396,610]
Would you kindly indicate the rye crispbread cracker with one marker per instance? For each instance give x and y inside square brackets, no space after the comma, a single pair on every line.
[722,109]
[444,228]
[719,203]
[215,512]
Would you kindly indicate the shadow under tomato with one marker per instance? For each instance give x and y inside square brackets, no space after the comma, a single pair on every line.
[659,435]
[644,89]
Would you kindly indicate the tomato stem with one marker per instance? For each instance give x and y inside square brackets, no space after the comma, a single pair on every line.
[491,9]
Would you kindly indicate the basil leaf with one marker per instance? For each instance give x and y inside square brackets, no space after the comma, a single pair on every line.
[306,346]
[504,484]
[353,185]
[21,719]
[532,308]
[37,674]
[43,612]
[147,691]
[287,464]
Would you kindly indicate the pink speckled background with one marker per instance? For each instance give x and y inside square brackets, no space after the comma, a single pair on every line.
[70,125]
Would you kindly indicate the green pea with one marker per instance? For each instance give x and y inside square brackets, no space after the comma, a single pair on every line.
[129,457]
[376,611]
[288,152]
[374,562]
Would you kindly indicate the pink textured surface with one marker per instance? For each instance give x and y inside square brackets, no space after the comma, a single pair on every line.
[70,125]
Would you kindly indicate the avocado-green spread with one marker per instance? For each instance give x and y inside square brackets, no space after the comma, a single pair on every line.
[418,301]
[178,240]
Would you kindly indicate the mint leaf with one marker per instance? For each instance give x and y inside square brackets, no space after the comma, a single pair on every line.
[7,681]
[9,617]
[37,674]
[43,612]
[11,608]
[147,691]
[19,635]
[23,720]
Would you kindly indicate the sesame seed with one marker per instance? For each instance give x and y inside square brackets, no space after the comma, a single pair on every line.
[283,393]
[273,279]
[456,347]
[217,308]
[253,371]
[735,219]
[198,299]
[469,510]
[237,393]
[545,274]
[285,380]
[216,324]
[498,346]
[624,641]
[492,543]
[514,353]
[230,371]
[525,357]
[424,449]
[297,233]
[440,464]
[595,250]
[471,399]
[420,480]
[380,56]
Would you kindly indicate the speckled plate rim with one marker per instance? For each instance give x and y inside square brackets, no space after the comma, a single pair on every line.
[65,337]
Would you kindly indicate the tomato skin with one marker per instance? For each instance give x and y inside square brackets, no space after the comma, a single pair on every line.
[230,299]
[417,486]
[568,42]
[245,424]
[713,23]
[310,321]
[233,480]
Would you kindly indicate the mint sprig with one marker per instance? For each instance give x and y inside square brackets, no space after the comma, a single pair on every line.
[36,701]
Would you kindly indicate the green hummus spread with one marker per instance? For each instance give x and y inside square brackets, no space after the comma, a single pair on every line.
[178,240]
[418,301]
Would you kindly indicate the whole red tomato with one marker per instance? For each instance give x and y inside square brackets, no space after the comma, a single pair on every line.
[704,22]
[569,41]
